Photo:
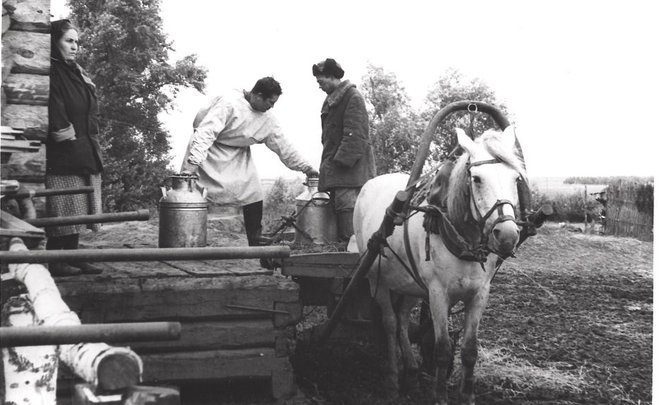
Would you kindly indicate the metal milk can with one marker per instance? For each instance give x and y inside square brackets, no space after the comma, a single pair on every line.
[183,212]
[315,219]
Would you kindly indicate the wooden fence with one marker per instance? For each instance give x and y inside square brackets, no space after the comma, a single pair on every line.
[629,210]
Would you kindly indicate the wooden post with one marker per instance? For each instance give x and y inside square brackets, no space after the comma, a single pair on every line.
[586,213]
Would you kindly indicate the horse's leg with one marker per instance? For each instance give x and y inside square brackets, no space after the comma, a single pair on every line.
[443,346]
[384,300]
[410,368]
[473,312]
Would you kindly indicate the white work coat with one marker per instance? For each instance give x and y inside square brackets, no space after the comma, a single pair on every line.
[220,147]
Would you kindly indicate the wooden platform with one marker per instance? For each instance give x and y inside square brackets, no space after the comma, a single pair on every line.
[238,320]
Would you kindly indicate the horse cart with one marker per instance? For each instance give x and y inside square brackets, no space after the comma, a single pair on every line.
[439,260]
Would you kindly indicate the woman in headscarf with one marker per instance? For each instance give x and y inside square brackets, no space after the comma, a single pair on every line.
[73,153]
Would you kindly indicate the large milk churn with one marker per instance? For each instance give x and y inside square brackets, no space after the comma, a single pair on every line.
[315,216]
[183,212]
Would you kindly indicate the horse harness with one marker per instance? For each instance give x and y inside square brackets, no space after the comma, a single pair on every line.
[436,220]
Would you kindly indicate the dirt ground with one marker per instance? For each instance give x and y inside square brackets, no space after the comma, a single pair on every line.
[569,321]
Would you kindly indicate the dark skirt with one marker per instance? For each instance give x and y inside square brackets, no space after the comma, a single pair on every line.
[73,204]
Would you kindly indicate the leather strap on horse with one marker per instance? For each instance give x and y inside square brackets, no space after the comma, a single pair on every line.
[414,271]
[436,221]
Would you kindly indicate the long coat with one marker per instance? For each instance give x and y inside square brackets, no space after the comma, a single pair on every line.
[347,159]
[72,146]
[224,130]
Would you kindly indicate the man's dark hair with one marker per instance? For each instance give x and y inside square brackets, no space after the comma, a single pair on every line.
[267,87]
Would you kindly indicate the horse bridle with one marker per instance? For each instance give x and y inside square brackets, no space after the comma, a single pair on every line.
[498,205]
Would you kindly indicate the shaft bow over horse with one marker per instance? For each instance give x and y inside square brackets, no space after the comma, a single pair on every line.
[477,203]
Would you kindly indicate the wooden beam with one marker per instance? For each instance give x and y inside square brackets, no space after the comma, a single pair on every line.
[30,89]
[321,265]
[29,51]
[33,15]
[216,335]
[222,364]
[183,299]
[32,119]
[24,165]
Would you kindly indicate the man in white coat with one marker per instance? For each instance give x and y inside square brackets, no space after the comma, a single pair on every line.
[219,150]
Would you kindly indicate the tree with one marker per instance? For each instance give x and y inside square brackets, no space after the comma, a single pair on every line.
[396,127]
[125,51]
[393,124]
[452,86]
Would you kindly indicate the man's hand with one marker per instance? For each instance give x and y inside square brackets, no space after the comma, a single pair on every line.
[188,168]
[312,173]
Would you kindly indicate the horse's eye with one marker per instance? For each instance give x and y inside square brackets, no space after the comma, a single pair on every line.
[476,179]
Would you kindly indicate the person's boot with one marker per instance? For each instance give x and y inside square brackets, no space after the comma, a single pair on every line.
[59,269]
[69,242]
[87,268]
[344,226]
[63,270]
[252,215]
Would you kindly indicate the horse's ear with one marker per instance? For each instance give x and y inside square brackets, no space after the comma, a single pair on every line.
[509,137]
[465,141]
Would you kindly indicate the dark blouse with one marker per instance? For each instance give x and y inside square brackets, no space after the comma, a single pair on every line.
[72,146]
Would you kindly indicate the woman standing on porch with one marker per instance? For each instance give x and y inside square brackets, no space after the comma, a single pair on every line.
[73,153]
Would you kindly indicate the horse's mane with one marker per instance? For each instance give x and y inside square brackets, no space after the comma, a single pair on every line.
[458,203]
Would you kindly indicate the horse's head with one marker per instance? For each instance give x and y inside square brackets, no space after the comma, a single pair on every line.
[489,171]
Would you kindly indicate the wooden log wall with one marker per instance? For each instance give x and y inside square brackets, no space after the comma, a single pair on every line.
[233,326]
[629,210]
[25,83]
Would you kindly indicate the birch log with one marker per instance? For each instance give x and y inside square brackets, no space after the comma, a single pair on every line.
[99,364]
[30,373]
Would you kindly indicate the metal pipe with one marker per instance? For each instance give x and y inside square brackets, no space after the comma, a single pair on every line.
[139,215]
[144,254]
[373,249]
[427,137]
[13,336]
[49,191]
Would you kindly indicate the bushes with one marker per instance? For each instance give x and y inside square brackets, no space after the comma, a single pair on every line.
[568,207]
[280,201]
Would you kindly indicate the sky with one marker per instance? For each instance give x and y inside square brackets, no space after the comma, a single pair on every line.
[579,78]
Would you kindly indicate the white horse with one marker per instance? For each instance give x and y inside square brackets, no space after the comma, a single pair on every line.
[478,202]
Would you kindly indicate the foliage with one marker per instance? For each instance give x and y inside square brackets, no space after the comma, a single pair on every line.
[125,51]
[280,201]
[606,179]
[394,126]
[453,86]
[569,207]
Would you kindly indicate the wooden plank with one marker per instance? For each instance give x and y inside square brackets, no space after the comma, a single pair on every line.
[220,365]
[13,145]
[140,270]
[212,335]
[6,22]
[180,299]
[33,15]
[231,267]
[322,265]
[285,286]
[237,267]
[209,365]
[11,226]
[32,119]
[30,51]
[21,88]
[25,164]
